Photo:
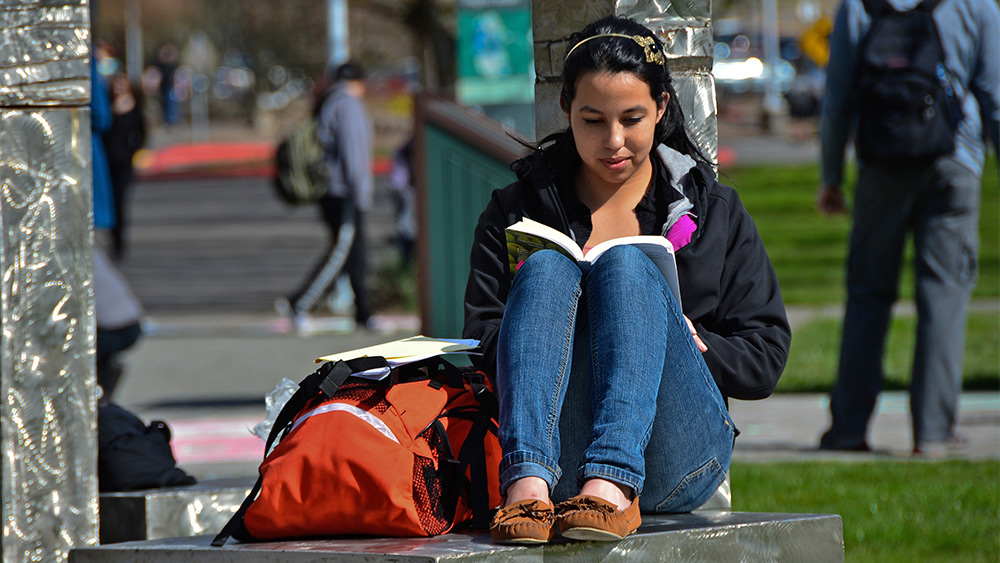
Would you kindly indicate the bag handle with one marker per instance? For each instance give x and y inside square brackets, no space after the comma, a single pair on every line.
[326,381]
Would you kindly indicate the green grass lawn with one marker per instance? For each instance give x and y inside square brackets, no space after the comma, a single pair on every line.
[808,248]
[892,510]
[812,361]
[808,251]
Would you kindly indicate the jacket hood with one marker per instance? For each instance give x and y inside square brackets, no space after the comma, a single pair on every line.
[691,179]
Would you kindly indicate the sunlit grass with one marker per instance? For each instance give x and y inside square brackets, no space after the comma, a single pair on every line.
[812,361]
[892,510]
[808,249]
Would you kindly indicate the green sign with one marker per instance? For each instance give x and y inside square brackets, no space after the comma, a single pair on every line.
[495,60]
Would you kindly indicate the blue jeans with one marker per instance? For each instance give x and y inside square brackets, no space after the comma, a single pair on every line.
[598,377]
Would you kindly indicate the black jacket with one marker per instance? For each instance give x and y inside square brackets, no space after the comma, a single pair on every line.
[728,287]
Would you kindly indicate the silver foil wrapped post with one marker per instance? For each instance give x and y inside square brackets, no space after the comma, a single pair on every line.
[683,25]
[47,384]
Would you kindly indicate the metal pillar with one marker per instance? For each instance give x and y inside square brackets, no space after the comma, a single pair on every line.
[685,28]
[47,410]
[337,35]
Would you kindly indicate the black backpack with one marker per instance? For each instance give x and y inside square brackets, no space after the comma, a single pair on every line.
[300,165]
[907,109]
[133,455]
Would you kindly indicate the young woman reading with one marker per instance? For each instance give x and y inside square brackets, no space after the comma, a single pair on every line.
[612,396]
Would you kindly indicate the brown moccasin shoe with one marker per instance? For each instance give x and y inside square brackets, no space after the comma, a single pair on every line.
[529,521]
[586,517]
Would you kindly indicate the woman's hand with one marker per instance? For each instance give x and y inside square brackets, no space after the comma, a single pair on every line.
[694,334]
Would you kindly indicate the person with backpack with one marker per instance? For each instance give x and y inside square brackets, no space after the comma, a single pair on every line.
[918,83]
[612,395]
[345,131]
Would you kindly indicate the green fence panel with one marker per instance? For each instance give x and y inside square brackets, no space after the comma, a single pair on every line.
[460,179]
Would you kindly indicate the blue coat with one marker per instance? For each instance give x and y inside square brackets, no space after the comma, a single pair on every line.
[100,121]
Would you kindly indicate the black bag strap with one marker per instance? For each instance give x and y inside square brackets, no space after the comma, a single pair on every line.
[473,455]
[326,381]
[473,452]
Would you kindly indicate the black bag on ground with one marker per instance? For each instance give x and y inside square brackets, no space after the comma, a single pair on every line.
[907,109]
[132,455]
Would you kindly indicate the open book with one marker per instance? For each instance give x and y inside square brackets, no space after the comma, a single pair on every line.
[527,237]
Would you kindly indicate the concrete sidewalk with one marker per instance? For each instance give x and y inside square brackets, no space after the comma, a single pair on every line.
[207,376]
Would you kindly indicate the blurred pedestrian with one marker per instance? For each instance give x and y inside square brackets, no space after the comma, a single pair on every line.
[166,63]
[125,137]
[401,186]
[117,312]
[903,188]
[345,131]
[119,322]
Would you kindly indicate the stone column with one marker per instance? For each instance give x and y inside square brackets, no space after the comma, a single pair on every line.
[48,473]
[685,28]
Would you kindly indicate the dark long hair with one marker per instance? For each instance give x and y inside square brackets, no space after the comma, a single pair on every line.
[623,54]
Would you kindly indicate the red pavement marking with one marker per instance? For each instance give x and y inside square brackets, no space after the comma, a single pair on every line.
[215,440]
[220,159]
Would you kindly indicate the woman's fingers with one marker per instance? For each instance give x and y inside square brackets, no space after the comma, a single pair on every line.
[694,334]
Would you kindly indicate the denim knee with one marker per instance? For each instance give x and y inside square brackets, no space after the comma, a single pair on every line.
[630,267]
[546,263]
[626,259]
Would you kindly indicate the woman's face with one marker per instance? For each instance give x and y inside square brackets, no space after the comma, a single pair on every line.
[613,118]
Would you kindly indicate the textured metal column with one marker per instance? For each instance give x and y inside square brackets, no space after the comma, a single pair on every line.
[47,411]
[683,25]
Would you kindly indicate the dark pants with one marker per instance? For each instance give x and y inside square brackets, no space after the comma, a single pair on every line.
[347,253]
[938,205]
[110,343]
[121,177]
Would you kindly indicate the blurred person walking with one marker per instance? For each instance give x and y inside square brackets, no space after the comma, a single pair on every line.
[166,63]
[117,311]
[345,131]
[125,137]
[932,194]
[405,198]
[118,315]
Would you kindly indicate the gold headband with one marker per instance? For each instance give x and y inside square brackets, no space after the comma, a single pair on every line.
[648,44]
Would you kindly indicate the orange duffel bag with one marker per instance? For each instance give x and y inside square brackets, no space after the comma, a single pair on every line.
[413,454]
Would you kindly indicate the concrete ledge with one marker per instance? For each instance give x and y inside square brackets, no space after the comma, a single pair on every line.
[153,514]
[702,536]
